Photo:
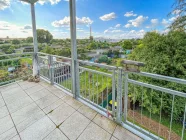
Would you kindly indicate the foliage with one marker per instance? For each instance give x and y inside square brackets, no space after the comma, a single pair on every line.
[165,55]
[127,44]
[29,39]
[16,41]
[44,36]
[104,59]
[48,50]
[180,9]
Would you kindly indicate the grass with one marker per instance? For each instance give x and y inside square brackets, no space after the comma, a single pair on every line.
[176,126]
[92,85]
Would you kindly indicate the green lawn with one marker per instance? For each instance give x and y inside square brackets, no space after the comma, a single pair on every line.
[92,85]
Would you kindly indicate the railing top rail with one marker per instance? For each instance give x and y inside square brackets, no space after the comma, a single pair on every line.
[97,64]
[17,54]
[161,77]
[66,58]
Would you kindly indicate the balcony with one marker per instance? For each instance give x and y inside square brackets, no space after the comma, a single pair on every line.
[49,109]
[34,111]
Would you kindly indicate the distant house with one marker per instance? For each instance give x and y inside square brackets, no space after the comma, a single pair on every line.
[117,48]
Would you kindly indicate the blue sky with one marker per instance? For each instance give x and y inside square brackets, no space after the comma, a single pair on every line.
[116,19]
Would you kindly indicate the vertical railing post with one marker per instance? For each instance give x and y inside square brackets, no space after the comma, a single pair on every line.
[35,58]
[75,69]
[51,69]
[125,96]
[113,91]
[119,96]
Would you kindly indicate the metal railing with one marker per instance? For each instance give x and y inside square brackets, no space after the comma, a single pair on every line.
[146,104]
[15,67]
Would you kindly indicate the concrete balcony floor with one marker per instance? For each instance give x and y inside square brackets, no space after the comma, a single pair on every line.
[39,111]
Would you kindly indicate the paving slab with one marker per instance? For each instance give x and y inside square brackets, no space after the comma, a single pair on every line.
[11,91]
[72,102]
[24,113]
[3,112]
[53,106]
[18,104]
[44,84]
[34,89]
[61,113]
[123,134]
[30,120]
[8,134]
[6,124]
[59,93]
[7,87]
[25,85]
[1,96]
[2,103]
[46,101]
[52,88]
[56,135]
[105,123]
[38,130]
[87,112]
[16,138]
[74,125]
[94,132]
[17,96]
[113,138]
[40,94]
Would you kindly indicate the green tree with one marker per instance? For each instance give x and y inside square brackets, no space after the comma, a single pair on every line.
[29,39]
[180,9]
[127,44]
[44,36]
[16,41]
[104,59]
[165,55]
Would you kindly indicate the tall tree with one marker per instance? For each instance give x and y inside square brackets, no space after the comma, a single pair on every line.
[180,9]
[44,36]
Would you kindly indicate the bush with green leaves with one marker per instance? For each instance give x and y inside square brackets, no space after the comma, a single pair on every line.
[162,54]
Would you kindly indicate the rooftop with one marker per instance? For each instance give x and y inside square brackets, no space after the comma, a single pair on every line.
[34,111]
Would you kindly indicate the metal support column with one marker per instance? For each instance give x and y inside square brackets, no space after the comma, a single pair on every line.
[51,69]
[125,96]
[35,57]
[119,96]
[75,70]
[113,92]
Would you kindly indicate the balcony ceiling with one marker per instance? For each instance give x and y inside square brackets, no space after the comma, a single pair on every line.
[30,1]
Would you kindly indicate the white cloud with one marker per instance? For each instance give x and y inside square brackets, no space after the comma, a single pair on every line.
[4,4]
[108,17]
[66,21]
[13,30]
[138,21]
[154,22]
[128,25]
[112,31]
[118,25]
[27,27]
[165,22]
[176,12]
[173,18]
[49,1]
[130,14]
[133,34]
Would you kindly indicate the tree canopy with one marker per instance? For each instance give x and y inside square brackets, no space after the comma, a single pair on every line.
[180,9]
[44,36]
[127,44]
[165,55]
